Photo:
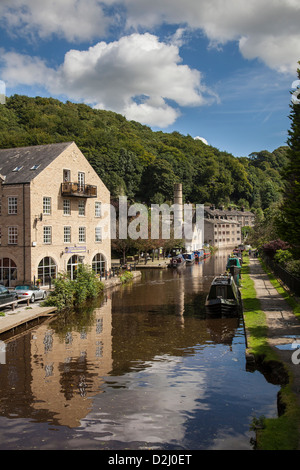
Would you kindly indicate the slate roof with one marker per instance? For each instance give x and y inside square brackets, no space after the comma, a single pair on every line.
[226,212]
[32,160]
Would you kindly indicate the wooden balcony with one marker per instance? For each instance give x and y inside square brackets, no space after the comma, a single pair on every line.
[78,190]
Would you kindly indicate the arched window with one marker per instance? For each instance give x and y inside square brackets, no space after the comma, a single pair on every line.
[8,271]
[47,270]
[72,266]
[99,264]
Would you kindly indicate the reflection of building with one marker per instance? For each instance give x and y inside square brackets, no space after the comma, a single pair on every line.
[66,372]
[51,201]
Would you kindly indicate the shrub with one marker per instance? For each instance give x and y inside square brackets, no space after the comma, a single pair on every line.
[67,293]
[86,285]
[283,256]
[272,247]
[293,266]
[63,294]
[126,276]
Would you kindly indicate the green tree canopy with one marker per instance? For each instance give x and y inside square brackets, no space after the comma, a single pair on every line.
[289,222]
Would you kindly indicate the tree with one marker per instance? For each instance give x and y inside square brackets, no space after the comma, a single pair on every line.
[289,221]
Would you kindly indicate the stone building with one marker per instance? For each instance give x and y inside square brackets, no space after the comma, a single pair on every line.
[51,213]
[222,233]
[243,217]
[222,227]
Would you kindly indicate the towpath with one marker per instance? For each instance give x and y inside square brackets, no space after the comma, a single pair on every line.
[283,326]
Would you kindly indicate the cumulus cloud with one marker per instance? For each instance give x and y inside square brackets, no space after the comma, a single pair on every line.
[267,30]
[73,20]
[138,76]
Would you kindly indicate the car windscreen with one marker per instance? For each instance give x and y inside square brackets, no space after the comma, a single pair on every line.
[23,288]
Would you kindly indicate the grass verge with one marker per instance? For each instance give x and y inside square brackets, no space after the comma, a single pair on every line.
[280,433]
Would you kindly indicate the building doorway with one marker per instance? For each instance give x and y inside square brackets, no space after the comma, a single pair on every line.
[72,266]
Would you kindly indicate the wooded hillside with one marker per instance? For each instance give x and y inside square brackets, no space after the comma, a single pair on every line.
[133,160]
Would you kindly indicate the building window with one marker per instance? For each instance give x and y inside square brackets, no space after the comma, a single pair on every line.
[12,235]
[67,207]
[81,180]
[47,232]
[97,209]
[47,205]
[66,175]
[12,205]
[47,269]
[8,271]
[81,208]
[99,264]
[82,236]
[35,167]
[67,234]
[98,234]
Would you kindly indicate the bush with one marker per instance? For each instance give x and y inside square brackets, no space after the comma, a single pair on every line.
[67,293]
[63,294]
[283,256]
[272,247]
[126,276]
[293,266]
[86,285]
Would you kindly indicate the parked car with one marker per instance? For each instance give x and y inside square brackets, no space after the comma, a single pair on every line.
[6,295]
[26,291]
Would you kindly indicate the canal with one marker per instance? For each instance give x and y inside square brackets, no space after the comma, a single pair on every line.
[143,368]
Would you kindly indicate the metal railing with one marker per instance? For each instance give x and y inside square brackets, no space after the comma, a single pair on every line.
[291,281]
[76,189]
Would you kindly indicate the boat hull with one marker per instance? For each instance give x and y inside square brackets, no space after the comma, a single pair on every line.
[222,308]
[224,298]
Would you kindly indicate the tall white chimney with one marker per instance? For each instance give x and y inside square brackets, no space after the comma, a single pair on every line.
[178,211]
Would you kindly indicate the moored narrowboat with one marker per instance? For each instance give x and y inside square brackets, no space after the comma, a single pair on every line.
[234,267]
[189,258]
[224,298]
[177,262]
[199,254]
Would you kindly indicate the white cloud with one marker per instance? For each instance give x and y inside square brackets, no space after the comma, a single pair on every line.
[25,70]
[137,76]
[73,20]
[267,30]
[202,139]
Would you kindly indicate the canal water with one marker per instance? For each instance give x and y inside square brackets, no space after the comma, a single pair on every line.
[142,368]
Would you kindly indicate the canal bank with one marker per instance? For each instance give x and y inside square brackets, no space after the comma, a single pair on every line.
[273,334]
[23,315]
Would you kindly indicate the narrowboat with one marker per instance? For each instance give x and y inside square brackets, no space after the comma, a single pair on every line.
[177,262]
[199,254]
[189,258]
[234,267]
[224,298]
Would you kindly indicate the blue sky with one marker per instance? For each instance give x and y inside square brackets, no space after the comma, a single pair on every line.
[221,70]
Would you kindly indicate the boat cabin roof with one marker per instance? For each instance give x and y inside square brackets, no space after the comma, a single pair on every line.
[223,280]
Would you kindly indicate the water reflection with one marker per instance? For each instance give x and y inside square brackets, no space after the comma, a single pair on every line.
[144,367]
